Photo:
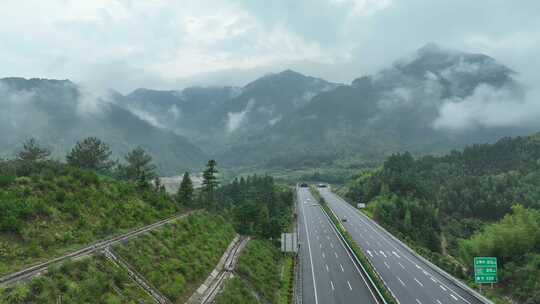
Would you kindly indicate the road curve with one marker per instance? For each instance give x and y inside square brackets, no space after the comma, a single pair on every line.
[329,274]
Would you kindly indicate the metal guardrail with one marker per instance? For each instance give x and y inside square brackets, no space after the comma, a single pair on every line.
[440,271]
[298,281]
[373,286]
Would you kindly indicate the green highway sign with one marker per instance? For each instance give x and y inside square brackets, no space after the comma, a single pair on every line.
[485,270]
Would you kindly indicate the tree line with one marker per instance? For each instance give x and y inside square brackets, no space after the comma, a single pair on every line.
[90,153]
[462,204]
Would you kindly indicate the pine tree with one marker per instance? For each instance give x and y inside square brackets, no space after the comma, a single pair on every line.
[185,191]
[139,164]
[210,182]
[32,152]
[90,153]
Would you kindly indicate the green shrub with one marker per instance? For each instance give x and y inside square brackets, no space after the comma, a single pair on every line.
[92,280]
[235,291]
[259,264]
[36,212]
[178,257]
[6,180]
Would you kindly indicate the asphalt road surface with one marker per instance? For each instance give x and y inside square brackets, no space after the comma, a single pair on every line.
[410,279]
[329,274]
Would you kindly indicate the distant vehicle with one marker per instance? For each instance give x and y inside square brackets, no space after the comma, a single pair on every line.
[303,185]
[321,185]
[344,219]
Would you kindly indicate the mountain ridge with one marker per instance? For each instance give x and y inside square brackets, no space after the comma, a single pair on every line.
[287,118]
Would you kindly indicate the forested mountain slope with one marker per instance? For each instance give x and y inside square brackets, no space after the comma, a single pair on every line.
[58,113]
[280,120]
[399,108]
[482,201]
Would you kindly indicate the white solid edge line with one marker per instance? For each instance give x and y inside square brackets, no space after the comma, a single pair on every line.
[360,216]
[310,257]
[350,257]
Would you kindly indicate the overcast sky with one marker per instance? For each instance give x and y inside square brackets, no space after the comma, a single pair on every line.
[125,44]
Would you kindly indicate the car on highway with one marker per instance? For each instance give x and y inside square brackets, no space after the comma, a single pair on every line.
[303,185]
[344,219]
[322,185]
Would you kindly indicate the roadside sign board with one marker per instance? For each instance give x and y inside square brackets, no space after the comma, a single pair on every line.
[289,243]
[485,270]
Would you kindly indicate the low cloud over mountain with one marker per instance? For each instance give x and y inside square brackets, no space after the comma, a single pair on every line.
[435,100]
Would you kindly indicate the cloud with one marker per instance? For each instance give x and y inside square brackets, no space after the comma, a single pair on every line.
[149,118]
[127,44]
[490,107]
[235,119]
[19,117]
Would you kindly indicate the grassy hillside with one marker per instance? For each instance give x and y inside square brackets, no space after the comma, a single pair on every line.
[483,201]
[92,280]
[177,258]
[57,208]
[259,264]
[264,276]
[236,291]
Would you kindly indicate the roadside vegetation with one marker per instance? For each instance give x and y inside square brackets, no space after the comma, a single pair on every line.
[261,208]
[178,257]
[483,201]
[287,280]
[264,276]
[259,264]
[236,291]
[49,207]
[257,205]
[91,280]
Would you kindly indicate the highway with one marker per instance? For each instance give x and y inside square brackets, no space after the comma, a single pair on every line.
[329,274]
[410,279]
